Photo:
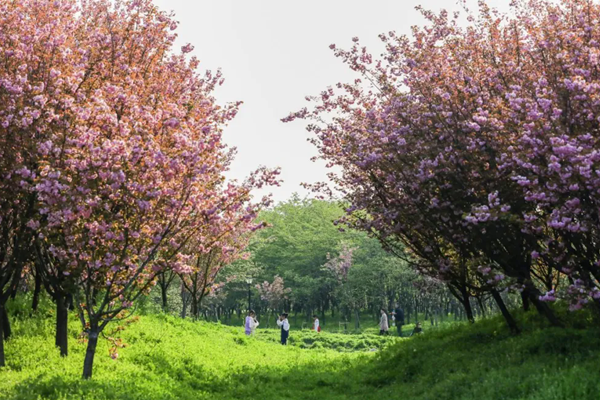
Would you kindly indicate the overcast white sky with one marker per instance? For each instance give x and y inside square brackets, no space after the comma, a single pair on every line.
[275,52]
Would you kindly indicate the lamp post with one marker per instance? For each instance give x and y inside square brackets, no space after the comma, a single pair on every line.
[249,282]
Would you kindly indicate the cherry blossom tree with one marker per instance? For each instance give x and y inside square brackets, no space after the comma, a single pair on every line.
[273,294]
[114,143]
[475,145]
[339,267]
[224,236]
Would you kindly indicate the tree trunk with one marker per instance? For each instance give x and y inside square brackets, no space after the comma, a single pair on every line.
[512,324]
[5,323]
[468,310]
[525,299]
[163,294]
[62,321]
[185,301]
[88,363]
[70,302]
[2,361]
[542,307]
[194,309]
[36,292]
[357,323]
[481,306]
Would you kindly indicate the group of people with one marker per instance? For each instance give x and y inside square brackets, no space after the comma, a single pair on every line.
[397,320]
[282,322]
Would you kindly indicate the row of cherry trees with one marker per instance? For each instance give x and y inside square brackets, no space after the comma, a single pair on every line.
[111,161]
[476,147]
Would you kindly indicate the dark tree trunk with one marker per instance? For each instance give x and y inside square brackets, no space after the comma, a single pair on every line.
[525,299]
[357,316]
[185,302]
[163,294]
[2,361]
[194,309]
[184,307]
[36,292]
[62,320]
[88,363]
[481,306]
[512,324]
[70,302]
[542,307]
[468,310]
[462,295]
[5,323]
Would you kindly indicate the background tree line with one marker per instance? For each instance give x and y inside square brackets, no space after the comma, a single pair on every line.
[289,265]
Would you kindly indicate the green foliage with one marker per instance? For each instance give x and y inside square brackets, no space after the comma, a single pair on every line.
[307,339]
[170,358]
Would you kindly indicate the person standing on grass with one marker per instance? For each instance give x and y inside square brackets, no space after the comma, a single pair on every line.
[254,323]
[285,328]
[251,323]
[316,326]
[383,323]
[399,319]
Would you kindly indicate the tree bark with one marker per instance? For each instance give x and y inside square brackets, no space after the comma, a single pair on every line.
[462,295]
[194,309]
[481,306]
[2,360]
[468,310]
[62,321]
[163,294]
[5,323]
[542,307]
[36,292]
[88,363]
[357,316]
[525,299]
[70,302]
[512,324]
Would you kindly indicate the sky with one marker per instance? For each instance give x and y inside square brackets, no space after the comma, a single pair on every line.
[273,53]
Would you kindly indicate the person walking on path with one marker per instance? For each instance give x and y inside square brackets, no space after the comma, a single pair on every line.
[251,323]
[399,319]
[383,323]
[316,326]
[285,328]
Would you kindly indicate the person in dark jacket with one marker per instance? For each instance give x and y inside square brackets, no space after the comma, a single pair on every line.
[399,314]
[417,329]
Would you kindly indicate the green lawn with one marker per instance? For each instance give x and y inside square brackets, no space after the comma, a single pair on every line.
[169,358]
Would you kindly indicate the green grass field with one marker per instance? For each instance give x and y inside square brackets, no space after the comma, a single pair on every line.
[170,358]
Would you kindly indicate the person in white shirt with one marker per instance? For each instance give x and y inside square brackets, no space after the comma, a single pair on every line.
[251,323]
[316,326]
[383,323]
[254,325]
[285,328]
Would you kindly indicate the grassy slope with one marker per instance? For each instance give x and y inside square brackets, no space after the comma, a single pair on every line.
[168,358]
